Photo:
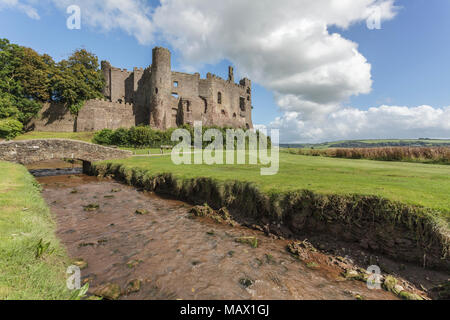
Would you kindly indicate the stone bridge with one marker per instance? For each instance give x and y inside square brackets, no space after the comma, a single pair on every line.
[30,151]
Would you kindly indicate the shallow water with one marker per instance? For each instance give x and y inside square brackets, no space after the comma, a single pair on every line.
[55,168]
[177,257]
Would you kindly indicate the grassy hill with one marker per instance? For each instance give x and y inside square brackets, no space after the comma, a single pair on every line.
[374,143]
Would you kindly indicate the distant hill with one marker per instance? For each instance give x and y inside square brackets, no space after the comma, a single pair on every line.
[372,144]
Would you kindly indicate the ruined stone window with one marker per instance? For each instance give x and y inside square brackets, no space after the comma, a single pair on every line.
[249,91]
[248,98]
[234,115]
[206,104]
[248,126]
[242,103]
[156,90]
[219,98]
[223,112]
[175,95]
[175,84]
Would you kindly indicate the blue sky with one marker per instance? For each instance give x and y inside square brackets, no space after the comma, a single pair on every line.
[378,93]
[409,56]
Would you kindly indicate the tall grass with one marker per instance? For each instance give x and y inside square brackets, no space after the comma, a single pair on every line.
[437,155]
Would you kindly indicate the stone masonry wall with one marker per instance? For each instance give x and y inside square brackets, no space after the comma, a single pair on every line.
[30,151]
[53,117]
[100,114]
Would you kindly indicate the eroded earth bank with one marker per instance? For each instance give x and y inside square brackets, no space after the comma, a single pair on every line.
[137,245]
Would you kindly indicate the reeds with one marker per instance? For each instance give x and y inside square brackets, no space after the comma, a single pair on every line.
[437,155]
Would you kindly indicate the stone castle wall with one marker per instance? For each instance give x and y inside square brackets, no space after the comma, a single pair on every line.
[94,116]
[53,117]
[159,97]
[100,114]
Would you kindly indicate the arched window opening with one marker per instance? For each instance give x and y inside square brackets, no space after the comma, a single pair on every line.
[242,103]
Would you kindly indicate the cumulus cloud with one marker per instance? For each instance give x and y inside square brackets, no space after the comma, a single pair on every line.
[29,10]
[131,16]
[382,122]
[284,45]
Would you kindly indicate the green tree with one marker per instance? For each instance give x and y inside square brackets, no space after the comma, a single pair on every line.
[34,74]
[78,79]
[24,83]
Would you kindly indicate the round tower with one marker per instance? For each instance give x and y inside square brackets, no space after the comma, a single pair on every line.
[161,86]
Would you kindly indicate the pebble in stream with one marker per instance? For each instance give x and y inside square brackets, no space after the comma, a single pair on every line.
[174,257]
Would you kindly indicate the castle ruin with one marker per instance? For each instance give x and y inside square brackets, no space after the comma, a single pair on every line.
[159,97]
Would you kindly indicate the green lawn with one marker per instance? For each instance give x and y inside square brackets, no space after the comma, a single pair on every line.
[410,183]
[24,220]
[145,151]
[82,136]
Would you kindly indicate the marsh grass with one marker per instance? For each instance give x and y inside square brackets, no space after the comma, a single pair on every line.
[433,155]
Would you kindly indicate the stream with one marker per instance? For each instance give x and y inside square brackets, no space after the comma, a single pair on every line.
[174,256]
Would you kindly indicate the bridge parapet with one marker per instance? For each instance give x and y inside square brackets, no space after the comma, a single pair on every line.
[30,151]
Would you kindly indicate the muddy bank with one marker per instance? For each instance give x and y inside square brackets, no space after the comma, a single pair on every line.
[401,232]
[136,245]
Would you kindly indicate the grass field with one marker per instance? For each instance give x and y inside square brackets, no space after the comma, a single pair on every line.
[82,136]
[410,183]
[24,220]
[145,151]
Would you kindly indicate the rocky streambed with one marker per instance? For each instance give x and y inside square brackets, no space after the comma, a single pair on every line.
[137,245]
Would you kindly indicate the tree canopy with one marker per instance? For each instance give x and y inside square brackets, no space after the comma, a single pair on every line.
[29,79]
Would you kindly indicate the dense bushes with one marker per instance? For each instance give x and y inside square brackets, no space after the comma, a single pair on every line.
[145,137]
[10,128]
[439,155]
[140,137]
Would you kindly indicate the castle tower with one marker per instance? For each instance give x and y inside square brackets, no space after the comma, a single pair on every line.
[106,70]
[231,74]
[161,86]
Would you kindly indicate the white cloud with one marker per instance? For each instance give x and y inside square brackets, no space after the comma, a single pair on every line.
[383,122]
[131,16]
[285,46]
[29,10]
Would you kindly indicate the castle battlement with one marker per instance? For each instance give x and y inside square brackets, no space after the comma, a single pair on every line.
[244,83]
[151,92]
[120,70]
